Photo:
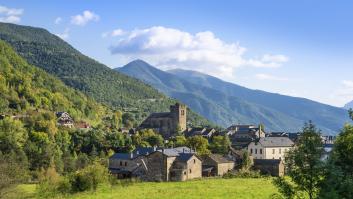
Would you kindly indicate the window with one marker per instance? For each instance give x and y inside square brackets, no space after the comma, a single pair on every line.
[273,151]
[194,161]
[279,151]
[121,163]
[260,151]
[251,151]
[190,171]
[184,172]
[125,163]
[182,112]
[255,151]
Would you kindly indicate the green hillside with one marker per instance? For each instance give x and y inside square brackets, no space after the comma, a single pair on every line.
[55,56]
[25,88]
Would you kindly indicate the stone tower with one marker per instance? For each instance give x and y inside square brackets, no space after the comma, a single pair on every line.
[178,112]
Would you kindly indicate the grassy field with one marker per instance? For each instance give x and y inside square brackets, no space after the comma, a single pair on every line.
[207,188]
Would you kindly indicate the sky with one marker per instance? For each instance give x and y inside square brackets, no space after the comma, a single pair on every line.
[302,48]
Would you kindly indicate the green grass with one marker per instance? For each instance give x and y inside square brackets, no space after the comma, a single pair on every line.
[206,188]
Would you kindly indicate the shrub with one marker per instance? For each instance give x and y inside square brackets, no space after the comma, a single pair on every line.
[89,178]
[243,174]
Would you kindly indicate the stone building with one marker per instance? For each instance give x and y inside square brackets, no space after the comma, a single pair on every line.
[242,135]
[270,147]
[216,165]
[157,164]
[204,132]
[168,123]
[177,164]
[274,167]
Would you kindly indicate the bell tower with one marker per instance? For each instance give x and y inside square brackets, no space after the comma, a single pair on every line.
[179,116]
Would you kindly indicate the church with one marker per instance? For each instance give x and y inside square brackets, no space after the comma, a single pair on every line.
[167,123]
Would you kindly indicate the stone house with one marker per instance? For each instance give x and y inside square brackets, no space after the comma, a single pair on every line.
[157,164]
[64,119]
[216,165]
[274,167]
[204,132]
[270,147]
[168,123]
[125,165]
[242,135]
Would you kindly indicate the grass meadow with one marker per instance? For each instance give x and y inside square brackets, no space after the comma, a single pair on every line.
[242,188]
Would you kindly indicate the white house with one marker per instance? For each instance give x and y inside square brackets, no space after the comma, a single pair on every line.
[270,147]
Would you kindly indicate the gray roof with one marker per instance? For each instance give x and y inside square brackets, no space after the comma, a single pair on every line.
[184,157]
[159,115]
[176,151]
[148,150]
[276,142]
[137,152]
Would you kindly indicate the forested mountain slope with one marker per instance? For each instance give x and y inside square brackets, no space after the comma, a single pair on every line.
[26,89]
[226,103]
[55,56]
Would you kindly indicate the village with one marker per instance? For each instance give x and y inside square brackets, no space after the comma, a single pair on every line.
[266,151]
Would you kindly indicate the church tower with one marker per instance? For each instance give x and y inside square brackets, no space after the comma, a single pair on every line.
[178,112]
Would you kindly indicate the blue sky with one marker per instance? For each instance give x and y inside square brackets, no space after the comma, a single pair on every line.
[299,48]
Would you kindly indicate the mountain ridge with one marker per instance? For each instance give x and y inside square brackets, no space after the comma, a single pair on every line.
[222,96]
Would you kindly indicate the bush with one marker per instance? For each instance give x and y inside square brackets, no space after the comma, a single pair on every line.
[89,178]
[243,174]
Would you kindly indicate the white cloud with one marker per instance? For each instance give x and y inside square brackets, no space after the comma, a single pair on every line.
[203,51]
[58,20]
[343,94]
[82,20]
[10,15]
[262,76]
[114,33]
[65,35]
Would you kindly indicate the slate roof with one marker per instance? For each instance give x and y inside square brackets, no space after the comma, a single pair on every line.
[148,150]
[176,151]
[219,158]
[159,115]
[276,142]
[184,157]
[137,152]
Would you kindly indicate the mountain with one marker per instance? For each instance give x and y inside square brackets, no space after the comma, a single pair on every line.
[226,103]
[55,56]
[349,105]
[25,88]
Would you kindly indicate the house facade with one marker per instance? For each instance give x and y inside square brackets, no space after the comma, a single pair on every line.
[216,165]
[64,119]
[270,147]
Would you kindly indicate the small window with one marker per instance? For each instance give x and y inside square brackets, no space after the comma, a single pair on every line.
[251,151]
[260,151]
[255,151]
[194,161]
[273,151]
[279,151]
[125,163]
[121,163]
[184,172]
[182,112]
[190,171]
